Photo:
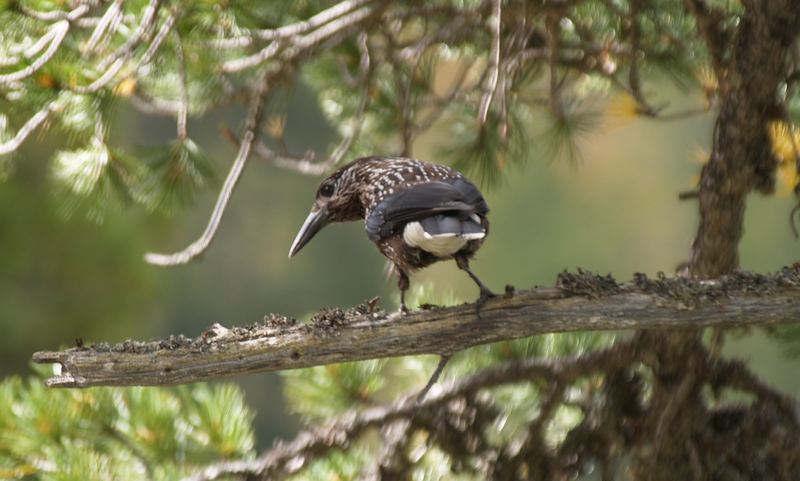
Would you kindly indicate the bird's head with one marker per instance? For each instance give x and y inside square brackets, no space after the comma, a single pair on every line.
[337,200]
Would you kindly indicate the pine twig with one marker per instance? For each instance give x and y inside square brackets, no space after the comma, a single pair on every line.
[143,29]
[32,124]
[298,45]
[286,31]
[53,38]
[494,65]
[183,112]
[201,244]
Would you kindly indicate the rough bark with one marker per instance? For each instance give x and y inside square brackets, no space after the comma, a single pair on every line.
[741,158]
[581,302]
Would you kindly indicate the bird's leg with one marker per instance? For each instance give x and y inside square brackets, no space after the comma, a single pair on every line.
[402,283]
[486,293]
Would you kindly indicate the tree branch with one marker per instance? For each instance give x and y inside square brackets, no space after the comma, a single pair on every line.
[54,36]
[201,244]
[35,121]
[581,302]
[339,434]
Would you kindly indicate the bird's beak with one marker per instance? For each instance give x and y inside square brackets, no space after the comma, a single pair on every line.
[315,221]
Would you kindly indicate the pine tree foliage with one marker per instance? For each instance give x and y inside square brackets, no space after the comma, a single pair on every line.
[101,434]
[510,80]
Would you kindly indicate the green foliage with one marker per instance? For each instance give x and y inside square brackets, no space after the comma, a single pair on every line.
[538,108]
[322,392]
[93,180]
[175,175]
[119,433]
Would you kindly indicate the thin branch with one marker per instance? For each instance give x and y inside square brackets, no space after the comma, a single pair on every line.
[144,28]
[154,105]
[494,65]
[32,124]
[300,44]
[104,79]
[183,112]
[634,77]
[200,245]
[582,302]
[553,49]
[307,164]
[166,27]
[437,372]
[243,63]
[112,70]
[56,36]
[110,18]
[54,15]
[286,31]
[365,68]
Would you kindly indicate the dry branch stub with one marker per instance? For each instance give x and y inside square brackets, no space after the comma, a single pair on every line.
[581,301]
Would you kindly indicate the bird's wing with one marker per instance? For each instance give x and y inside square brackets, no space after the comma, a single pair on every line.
[421,201]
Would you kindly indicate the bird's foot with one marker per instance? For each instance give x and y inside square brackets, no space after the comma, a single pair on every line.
[403,311]
[485,295]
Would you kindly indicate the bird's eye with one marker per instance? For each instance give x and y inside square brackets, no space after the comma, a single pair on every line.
[326,190]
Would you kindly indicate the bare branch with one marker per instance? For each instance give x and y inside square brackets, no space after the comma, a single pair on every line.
[110,18]
[166,27]
[183,111]
[55,15]
[634,77]
[55,35]
[200,245]
[31,125]
[494,65]
[112,70]
[298,28]
[298,45]
[144,28]
[243,63]
[307,164]
[581,303]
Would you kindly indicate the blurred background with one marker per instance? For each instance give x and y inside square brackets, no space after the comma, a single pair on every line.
[615,209]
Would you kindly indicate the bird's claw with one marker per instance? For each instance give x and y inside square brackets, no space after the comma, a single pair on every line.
[485,295]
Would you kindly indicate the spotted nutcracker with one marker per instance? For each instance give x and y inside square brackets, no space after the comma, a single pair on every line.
[417,213]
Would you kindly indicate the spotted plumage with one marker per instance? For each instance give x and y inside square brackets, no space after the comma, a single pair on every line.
[417,213]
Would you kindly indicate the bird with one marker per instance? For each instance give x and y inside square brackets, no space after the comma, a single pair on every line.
[417,213]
